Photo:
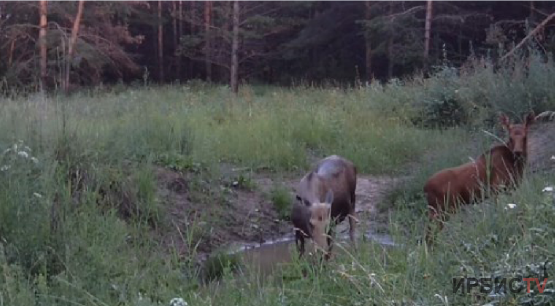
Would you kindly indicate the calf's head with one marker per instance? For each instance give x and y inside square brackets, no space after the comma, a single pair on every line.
[517,134]
[320,215]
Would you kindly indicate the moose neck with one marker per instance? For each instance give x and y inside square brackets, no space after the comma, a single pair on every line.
[507,158]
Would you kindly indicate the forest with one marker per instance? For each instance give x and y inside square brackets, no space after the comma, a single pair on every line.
[88,43]
[152,152]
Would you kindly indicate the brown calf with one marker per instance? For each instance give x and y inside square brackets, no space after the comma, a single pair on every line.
[500,167]
[326,191]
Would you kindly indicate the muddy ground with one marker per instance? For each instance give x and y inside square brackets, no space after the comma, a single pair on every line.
[204,215]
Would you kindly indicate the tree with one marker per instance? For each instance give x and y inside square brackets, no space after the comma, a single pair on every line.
[160,43]
[234,77]
[42,41]
[390,44]
[530,35]
[277,42]
[427,30]
[208,39]
[178,31]
[368,42]
[258,27]
[72,41]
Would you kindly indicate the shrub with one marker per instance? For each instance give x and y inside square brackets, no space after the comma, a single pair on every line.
[281,199]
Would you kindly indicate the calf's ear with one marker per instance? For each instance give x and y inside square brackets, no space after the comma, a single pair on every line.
[530,118]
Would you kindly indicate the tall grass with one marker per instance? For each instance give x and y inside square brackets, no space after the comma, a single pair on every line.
[79,205]
[483,241]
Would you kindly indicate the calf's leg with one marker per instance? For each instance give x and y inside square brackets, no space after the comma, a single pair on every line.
[299,242]
[352,224]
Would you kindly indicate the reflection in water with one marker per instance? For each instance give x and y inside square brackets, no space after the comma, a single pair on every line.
[263,259]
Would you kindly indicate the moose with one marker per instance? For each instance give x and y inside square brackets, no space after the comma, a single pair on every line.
[325,196]
[501,167]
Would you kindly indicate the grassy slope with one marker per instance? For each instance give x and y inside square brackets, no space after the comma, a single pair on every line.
[90,256]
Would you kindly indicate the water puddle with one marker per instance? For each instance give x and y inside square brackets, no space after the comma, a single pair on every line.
[265,258]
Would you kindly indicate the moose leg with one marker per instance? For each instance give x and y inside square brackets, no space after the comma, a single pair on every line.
[434,217]
[352,224]
[439,219]
[352,219]
[299,242]
[330,245]
[429,230]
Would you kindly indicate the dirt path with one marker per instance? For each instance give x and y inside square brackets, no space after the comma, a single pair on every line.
[224,214]
[370,191]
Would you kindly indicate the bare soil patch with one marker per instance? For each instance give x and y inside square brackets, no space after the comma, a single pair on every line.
[219,213]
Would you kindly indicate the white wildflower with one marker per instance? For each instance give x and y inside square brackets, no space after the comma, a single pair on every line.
[553,157]
[548,189]
[23,154]
[510,206]
[5,168]
[178,302]
[34,159]
[38,195]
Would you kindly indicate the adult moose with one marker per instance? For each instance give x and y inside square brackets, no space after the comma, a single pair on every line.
[327,191]
[500,167]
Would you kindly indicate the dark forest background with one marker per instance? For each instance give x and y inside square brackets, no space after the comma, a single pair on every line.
[86,43]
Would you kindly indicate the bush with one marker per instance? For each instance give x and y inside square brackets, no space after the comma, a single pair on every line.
[281,199]
[474,94]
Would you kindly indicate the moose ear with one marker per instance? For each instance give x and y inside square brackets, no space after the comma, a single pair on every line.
[298,198]
[530,118]
[504,120]
[329,197]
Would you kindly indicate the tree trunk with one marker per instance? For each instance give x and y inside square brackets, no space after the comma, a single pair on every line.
[427,31]
[234,78]
[174,28]
[42,41]
[207,39]
[12,49]
[73,40]
[537,29]
[192,30]
[532,9]
[160,44]
[390,44]
[369,75]
[532,22]
[179,34]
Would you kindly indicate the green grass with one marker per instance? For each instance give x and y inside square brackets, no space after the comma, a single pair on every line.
[81,225]
[282,201]
[279,130]
[481,241]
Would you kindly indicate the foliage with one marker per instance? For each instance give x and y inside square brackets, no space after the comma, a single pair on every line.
[476,93]
[280,42]
[71,165]
[281,198]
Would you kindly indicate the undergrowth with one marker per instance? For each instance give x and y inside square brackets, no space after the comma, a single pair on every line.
[80,201]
